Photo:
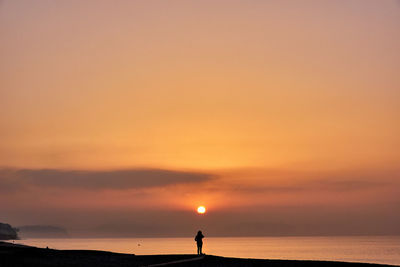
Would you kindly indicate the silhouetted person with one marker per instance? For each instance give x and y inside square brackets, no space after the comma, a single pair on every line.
[199,240]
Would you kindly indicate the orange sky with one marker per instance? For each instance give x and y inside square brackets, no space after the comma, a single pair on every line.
[270,94]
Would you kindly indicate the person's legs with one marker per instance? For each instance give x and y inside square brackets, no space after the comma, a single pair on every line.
[201,249]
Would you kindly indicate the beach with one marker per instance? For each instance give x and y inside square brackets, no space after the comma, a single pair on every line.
[20,255]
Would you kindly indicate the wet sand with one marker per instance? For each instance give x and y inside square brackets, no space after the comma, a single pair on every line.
[12,255]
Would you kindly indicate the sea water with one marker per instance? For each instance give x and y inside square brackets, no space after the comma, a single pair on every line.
[369,249]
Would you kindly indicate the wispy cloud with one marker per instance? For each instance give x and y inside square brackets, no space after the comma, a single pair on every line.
[283,181]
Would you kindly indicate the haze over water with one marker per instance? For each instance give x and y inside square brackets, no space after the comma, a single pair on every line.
[371,249]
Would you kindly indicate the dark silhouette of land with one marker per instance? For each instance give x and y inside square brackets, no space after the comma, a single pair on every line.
[7,232]
[12,255]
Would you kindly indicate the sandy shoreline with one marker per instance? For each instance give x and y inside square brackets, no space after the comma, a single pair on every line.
[13,255]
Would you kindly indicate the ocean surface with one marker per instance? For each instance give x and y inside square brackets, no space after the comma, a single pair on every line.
[370,249]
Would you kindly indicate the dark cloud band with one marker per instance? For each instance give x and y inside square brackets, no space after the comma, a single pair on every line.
[11,180]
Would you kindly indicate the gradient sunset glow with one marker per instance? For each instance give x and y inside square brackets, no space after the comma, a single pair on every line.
[282,117]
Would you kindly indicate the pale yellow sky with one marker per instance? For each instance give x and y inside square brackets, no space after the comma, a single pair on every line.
[199,85]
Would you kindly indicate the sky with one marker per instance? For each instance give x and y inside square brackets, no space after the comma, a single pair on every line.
[119,118]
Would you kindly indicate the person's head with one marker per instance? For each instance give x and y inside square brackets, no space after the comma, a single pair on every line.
[199,232]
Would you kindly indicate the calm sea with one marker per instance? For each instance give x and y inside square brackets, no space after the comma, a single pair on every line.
[372,249]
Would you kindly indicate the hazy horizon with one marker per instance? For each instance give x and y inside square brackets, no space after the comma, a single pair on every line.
[156,203]
[280,117]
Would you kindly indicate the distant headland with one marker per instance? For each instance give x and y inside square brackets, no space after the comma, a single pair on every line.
[7,232]
[42,231]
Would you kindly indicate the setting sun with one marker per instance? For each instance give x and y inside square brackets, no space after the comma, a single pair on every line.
[201,210]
